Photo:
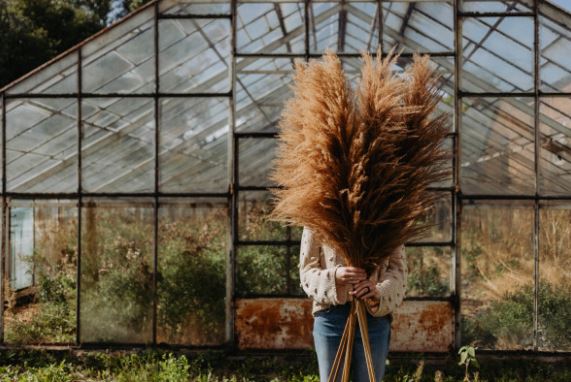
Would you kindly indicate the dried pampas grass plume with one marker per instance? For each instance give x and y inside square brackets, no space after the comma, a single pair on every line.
[354,166]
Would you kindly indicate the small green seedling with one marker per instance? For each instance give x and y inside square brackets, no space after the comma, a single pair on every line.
[468,357]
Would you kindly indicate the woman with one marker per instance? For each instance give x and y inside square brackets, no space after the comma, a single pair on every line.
[332,284]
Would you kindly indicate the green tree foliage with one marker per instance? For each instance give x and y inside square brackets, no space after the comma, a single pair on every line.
[34,31]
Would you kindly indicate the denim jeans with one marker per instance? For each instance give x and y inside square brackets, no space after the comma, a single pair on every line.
[328,328]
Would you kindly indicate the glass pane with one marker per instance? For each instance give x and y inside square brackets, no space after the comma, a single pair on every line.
[428,271]
[194,55]
[195,7]
[194,145]
[270,27]
[193,241]
[261,270]
[295,287]
[555,152]
[418,26]
[497,274]
[497,54]
[41,273]
[512,6]
[117,271]
[118,145]
[497,146]
[58,77]
[358,22]
[554,277]
[439,218]
[262,87]
[256,156]
[41,145]
[253,223]
[122,59]
[555,43]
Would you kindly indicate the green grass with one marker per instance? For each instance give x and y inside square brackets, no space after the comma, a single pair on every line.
[214,366]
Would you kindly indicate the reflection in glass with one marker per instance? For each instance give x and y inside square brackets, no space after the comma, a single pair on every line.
[428,271]
[41,145]
[194,55]
[555,151]
[497,146]
[193,154]
[118,145]
[192,271]
[554,303]
[41,273]
[497,268]
[117,271]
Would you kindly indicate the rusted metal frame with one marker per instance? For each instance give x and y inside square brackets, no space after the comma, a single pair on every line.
[341,26]
[266,188]
[120,95]
[466,94]
[292,242]
[292,297]
[405,20]
[340,54]
[4,221]
[495,14]
[380,25]
[163,16]
[143,346]
[537,171]
[157,110]
[280,16]
[232,194]
[469,197]
[75,195]
[79,196]
[456,284]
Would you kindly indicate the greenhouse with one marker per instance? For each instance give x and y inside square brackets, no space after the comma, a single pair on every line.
[135,177]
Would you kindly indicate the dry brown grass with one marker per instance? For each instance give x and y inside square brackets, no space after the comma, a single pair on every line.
[355,167]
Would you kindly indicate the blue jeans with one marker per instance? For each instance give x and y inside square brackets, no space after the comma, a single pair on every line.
[328,328]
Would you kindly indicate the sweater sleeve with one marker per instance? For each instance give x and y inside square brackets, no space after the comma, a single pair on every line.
[392,284]
[317,282]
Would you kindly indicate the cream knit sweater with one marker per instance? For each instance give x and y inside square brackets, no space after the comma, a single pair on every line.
[318,265]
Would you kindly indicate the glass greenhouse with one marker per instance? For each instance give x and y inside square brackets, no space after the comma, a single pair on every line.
[135,165]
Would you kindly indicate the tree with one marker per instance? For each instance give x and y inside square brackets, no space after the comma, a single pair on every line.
[34,31]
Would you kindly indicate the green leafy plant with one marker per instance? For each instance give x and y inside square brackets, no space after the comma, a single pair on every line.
[467,358]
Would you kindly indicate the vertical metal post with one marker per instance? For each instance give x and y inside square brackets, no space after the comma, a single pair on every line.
[80,198]
[536,157]
[381,25]
[457,203]
[156,187]
[4,225]
[232,196]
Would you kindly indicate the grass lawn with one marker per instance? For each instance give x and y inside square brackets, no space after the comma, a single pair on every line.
[167,366]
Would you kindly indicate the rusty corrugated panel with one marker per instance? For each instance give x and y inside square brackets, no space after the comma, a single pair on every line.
[276,323]
[424,326]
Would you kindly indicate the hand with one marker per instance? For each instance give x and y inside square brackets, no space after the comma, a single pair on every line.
[350,275]
[365,289]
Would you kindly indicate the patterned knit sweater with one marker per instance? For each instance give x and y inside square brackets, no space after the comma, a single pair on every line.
[319,263]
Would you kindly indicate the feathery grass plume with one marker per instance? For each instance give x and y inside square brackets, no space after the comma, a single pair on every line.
[355,168]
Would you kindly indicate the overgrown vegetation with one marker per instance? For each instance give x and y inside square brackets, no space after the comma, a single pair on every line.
[216,366]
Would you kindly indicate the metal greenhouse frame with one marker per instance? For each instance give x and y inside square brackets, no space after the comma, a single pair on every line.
[466,43]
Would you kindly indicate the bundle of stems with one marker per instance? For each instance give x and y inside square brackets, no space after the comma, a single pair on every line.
[355,166]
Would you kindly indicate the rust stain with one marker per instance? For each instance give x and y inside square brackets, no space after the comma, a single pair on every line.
[423,326]
[274,323]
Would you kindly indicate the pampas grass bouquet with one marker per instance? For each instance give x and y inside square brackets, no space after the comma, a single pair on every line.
[355,165]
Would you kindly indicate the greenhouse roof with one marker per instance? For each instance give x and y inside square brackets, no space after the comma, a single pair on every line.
[175,58]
